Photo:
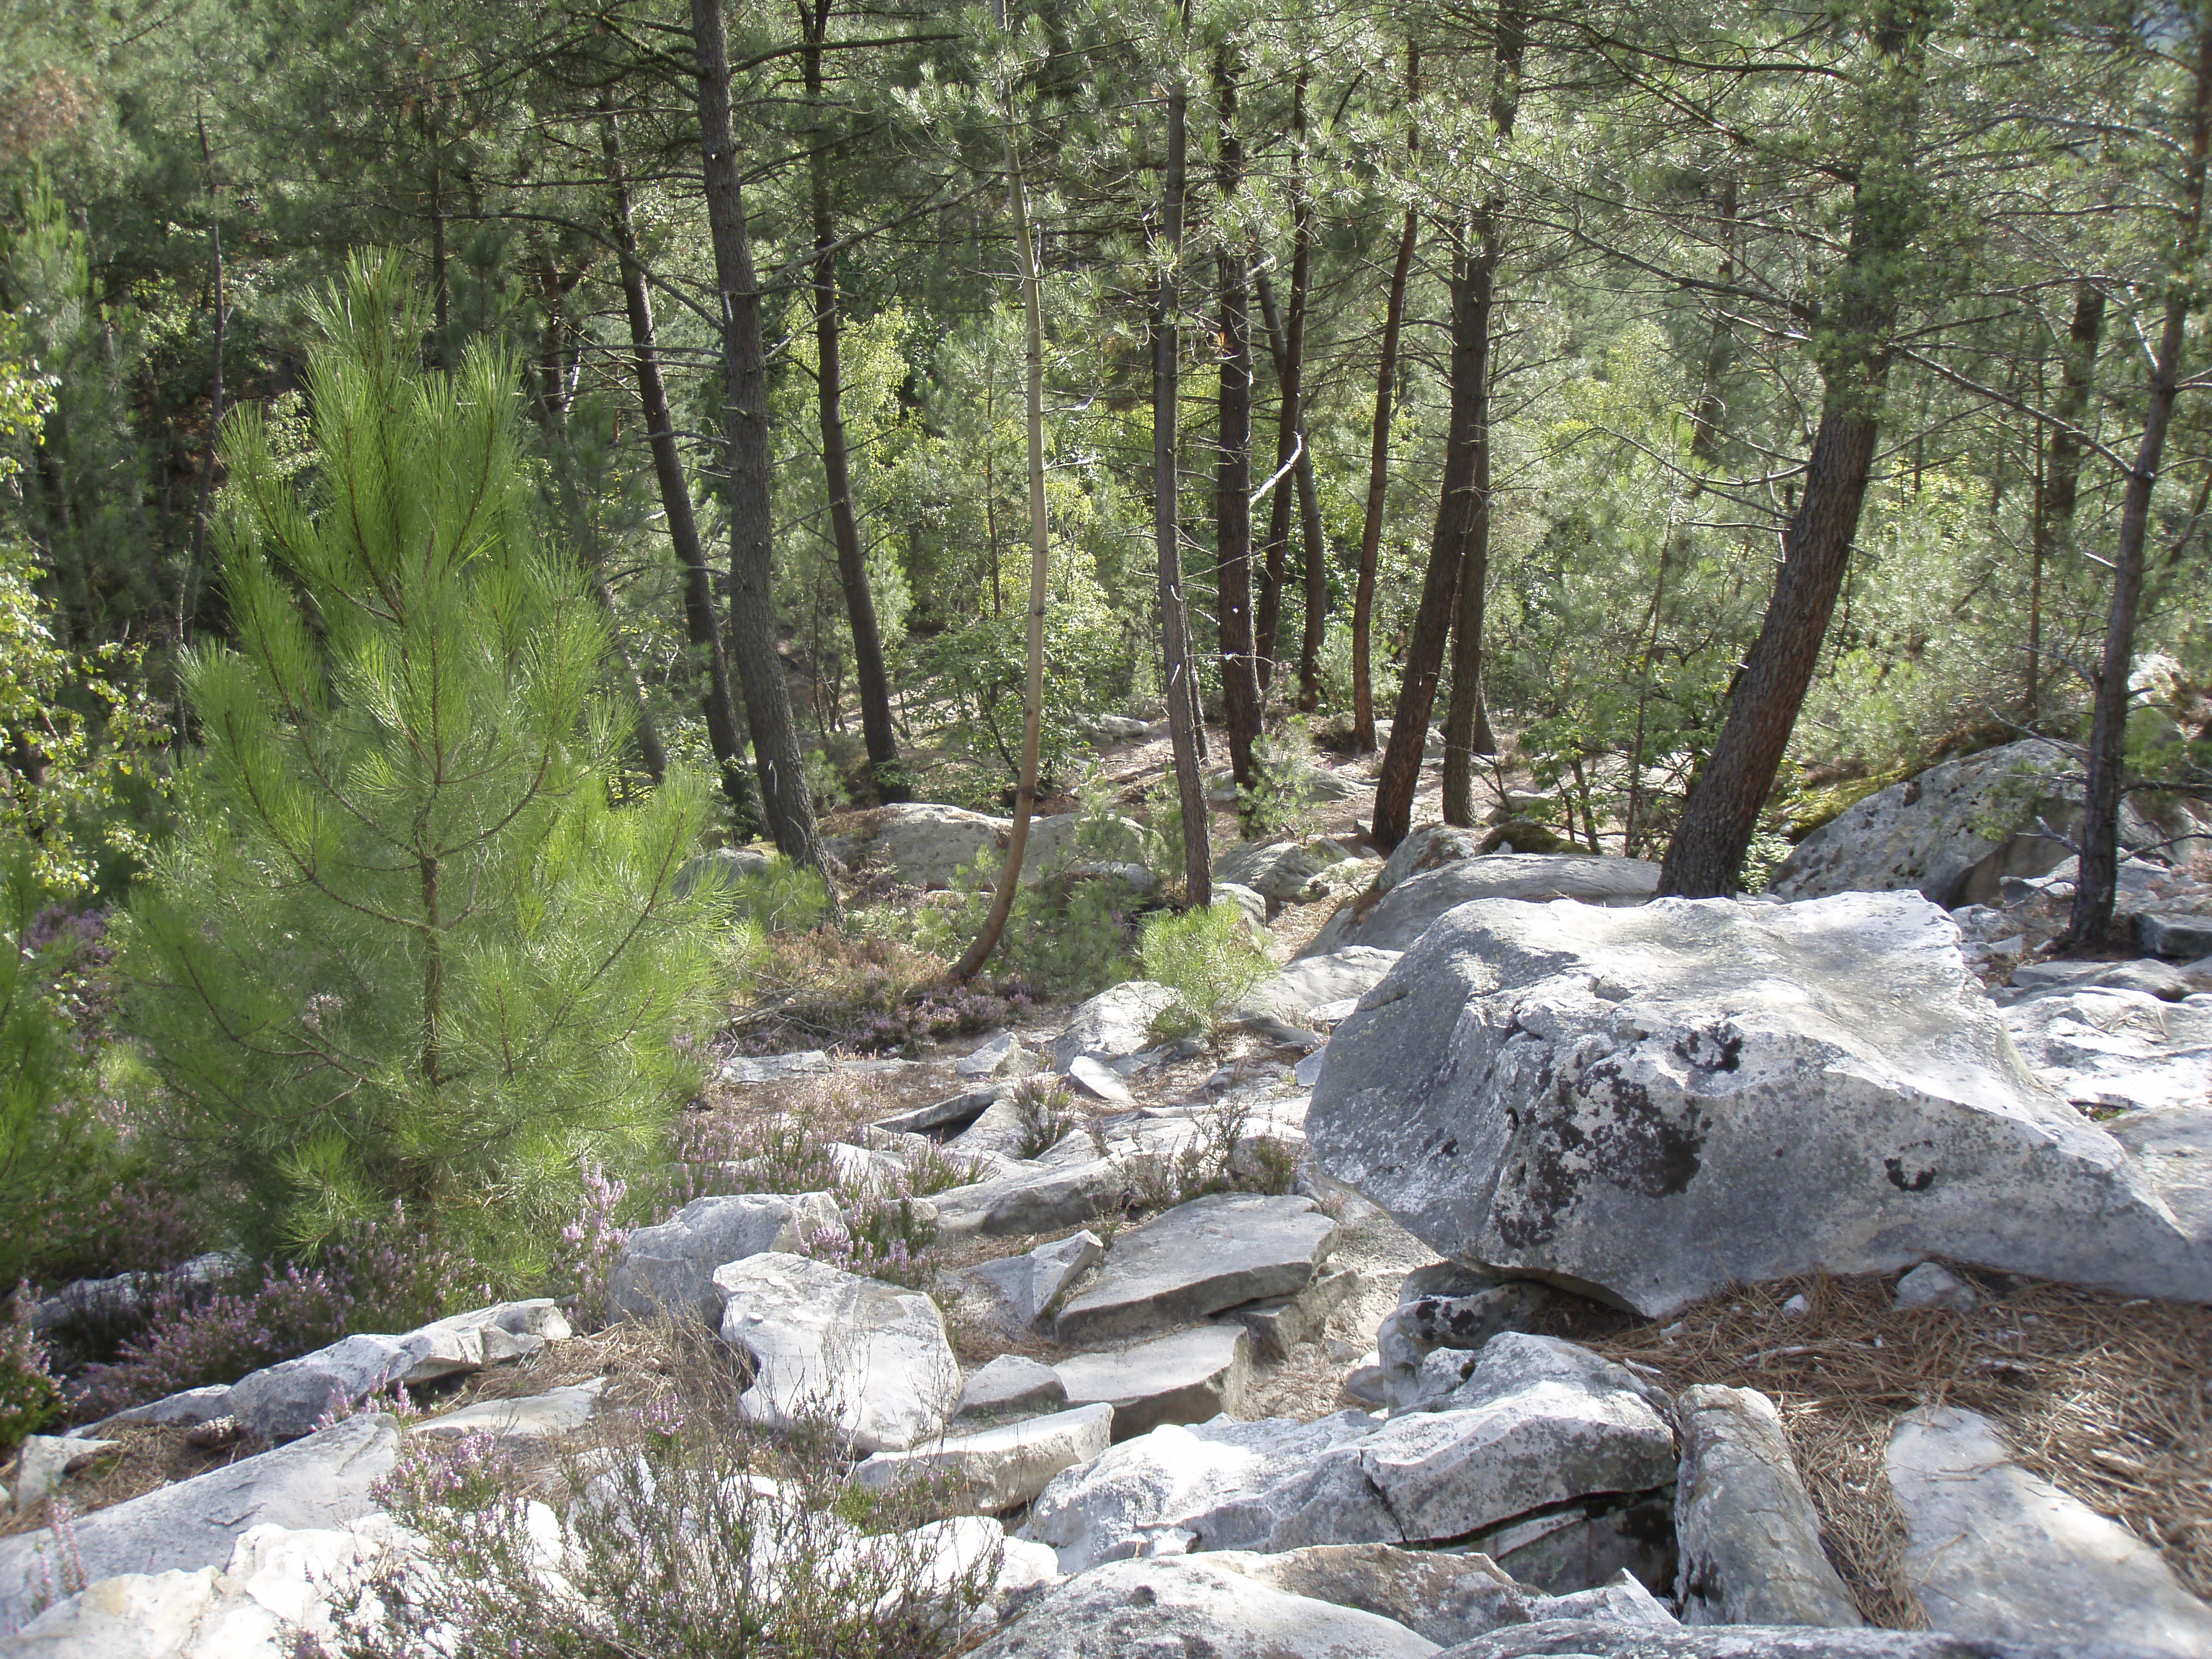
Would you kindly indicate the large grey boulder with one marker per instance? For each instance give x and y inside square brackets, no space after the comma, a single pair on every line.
[1118,1021]
[1145,1494]
[2107,1049]
[284,1401]
[1198,1259]
[1393,919]
[671,1266]
[1997,1553]
[923,843]
[1313,981]
[996,1468]
[1537,1423]
[870,1359]
[1189,1606]
[1749,1536]
[1952,832]
[1291,871]
[1588,1639]
[722,869]
[1186,1376]
[1041,1197]
[1658,1103]
[322,1481]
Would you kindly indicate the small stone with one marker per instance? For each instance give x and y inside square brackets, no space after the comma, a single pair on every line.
[1099,1080]
[1009,1385]
[1930,1285]
[1280,1324]
[994,1469]
[1796,1307]
[45,1458]
[1002,1055]
[1032,1283]
[1365,1384]
[1198,1259]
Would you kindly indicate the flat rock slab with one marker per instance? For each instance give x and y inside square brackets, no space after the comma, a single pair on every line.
[1446,1598]
[1316,981]
[1184,1605]
[871,1358]
[1663,1101]
[1118,1021]
[1185,1378]
[1030,1282]
[545,1416]
[1145,1494]
[1998,1553]
[1042,1197]
[995,1469]
[322,1481]
[1749,1536]
[1198,1259]
[1011,1384]
[1396,919]
[671,1266]
[1589,1638]
[2111,1049]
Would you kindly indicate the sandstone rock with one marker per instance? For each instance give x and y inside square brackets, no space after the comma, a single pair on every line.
[499,1334]
[1011,1385]
[1279,1324]
[322,1481]
[722,868]
[1030,1283]
[924,843]
[284,1401]
[1184,1377]
[1310,983]
[1118,1021]
[2111,1049]
[1447,1598]
[869,1357]
[747,1069]
[1283,871]
[1001,1055]
[1253,906]
[1953,833]
[1164,1606]
[1397,918]
[1422,1323]
[1588,1639]
[994,1469]
[1099,1080]
[1588,1544]
[1596,1094]
[1999,1554]
[1041,1198]
[545,1416]
[2176,935]
[946,1116]
[1430,847]
[671,1265]
[43,1459]
[1930,1285]
[1198,1259]
[184,1410]
[1749,1536]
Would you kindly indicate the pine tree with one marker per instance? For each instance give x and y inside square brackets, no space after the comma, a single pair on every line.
[403,948]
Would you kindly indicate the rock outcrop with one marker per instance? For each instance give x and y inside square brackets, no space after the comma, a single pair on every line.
[1396,916]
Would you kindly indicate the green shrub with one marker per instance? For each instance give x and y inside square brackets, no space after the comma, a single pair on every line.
[1207,955]
[402,946]
[1045,1106]
[1278,804]
[30,1400]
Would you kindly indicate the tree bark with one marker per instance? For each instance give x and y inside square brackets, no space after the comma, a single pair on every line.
[869,675]
[2061,487]
[1316,570]
[2091,923]
[1232,478]
[1467,728]
[1378,454]
[747,461]
[1286,345]
[702,628]
[1002,901]
[1167,530]
[1400,774]
[1704,857]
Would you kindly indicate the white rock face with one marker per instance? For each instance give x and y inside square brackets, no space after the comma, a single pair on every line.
[1011,1385]
[1118,1021]
[1749,1536]
[1183,1605]
[1999,1554]
[2108,1048]
[545,1416]
[672,1264]
[1186,1376]
[871,1358]
[1285,872]
[1952,833]
[994,1469]
[1396,919]
[1152,1488]
[320,1482]
[1030,1282]
[1199,1259]
[1314,981]
[1929,1285]
[1659,1102]
[926,844]
[43,1459]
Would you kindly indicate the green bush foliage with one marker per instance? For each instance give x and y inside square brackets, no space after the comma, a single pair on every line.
[1207,956]
[402,947]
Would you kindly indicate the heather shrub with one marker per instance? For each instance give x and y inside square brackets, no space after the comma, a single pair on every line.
[30,1400]
[1045,1106]
[403,947]
[671,1531]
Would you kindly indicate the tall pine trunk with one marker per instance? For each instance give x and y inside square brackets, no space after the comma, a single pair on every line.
[1286,346]
[1167,530]
[702,628]
[1704,857]
[2091,923]
[2061,487]
[1467,729]
[870,677]
[746,466]
[1232,478]
[1378,453]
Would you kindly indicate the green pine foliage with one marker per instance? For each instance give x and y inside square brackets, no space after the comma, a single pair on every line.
[402,947]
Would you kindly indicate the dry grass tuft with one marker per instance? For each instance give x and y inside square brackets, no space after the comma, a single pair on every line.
[2109,1398]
